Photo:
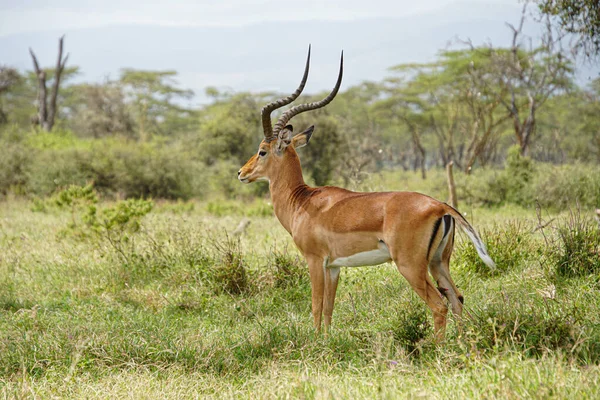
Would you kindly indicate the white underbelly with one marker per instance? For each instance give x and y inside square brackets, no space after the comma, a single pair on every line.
[372,257]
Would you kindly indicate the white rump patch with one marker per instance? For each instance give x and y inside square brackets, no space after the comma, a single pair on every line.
[371,257]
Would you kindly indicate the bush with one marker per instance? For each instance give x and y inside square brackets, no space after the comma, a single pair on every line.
[559,187]
[80,200]
[152,172]
[258,208]
[412,327]
[509,245]
[578,253]
[223,180]
[51,170]
[116,167]
[13,165]
[533,325]
[512,184]
[288,270]
[229,273]
[116,225]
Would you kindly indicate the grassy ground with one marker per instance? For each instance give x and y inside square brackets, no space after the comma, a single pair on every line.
[179,310]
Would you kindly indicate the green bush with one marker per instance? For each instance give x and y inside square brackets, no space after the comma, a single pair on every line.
[560,187]
[52,170]
[513,184]
[115,168]
[13,166]
[533,325]
[509,245]
[524,183]
[578,250]
[152,172]
[81,202]
[288,270]
[412,327]
[55,140]
[229,274]
[222,180]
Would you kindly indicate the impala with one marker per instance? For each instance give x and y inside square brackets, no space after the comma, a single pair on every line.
[335,227]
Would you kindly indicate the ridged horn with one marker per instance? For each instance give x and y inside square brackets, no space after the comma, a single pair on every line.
[269,108]
[292,112]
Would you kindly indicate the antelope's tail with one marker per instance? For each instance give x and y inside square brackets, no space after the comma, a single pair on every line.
[473,236]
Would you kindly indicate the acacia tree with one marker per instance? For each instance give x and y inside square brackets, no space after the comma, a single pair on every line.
[402,109]
[578,17]
[47,109]
[228,127]
[522,79]
[98,110]
[440,99]
[362,135]
[154,96]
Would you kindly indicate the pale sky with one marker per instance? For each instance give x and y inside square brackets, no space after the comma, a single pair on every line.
[18,16]
[104,36]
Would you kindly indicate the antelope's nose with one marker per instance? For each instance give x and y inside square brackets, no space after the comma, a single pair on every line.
[239,172]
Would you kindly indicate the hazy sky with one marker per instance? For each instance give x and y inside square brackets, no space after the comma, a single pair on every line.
[35,15]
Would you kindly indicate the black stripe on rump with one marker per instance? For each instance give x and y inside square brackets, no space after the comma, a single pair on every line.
[436,227]
[447,224]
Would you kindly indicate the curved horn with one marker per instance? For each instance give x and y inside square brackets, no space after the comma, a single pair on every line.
[292,112]
[266,110]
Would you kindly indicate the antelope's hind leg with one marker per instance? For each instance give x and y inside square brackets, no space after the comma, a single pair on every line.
[417,276]
[439,266]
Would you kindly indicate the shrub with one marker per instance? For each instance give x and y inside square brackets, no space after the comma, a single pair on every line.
[51,170]
[56,140]
[229,273]
[123,217]
[13,165]
[509,245]
[287,270]
[255,209]
[115,167]
[533,325]
[578,253]
[118,223]
[559,187]
[148,171]
[78,199]
[223,180]
[412,327]
[513,183]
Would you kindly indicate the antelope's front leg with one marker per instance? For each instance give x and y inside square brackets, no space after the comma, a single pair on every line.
[317,283]
[332,276]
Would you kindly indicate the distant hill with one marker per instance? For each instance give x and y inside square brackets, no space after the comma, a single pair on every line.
[269,56]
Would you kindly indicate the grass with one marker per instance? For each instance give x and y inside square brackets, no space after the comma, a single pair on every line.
[187,311]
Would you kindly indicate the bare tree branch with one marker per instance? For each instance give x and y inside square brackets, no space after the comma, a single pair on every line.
[47,113]
[60,65]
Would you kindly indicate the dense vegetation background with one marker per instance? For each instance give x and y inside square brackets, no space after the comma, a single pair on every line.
[134,137]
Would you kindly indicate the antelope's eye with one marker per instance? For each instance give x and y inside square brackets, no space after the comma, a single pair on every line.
[262,153]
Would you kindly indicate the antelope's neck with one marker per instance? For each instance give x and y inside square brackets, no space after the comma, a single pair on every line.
[286,186]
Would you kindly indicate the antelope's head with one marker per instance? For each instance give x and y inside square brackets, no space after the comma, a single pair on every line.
[280,140]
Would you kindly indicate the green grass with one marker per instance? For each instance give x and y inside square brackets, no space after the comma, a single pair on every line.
[168,314]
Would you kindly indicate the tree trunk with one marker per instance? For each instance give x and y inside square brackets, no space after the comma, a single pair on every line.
[451,188]
[47,113]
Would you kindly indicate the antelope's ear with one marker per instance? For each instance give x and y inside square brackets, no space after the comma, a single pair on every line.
[301,139]
[284,138]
